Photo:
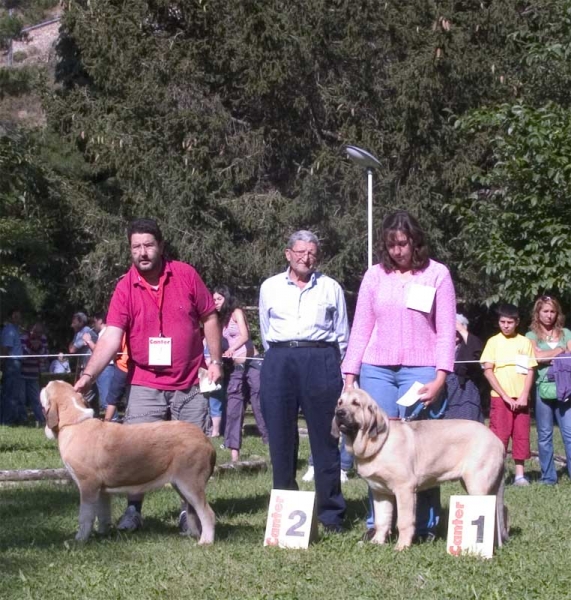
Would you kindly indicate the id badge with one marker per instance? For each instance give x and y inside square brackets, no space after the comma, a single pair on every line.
[521,364]
[420,297]
[160,351]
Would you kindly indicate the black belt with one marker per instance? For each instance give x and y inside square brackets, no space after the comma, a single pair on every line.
[302,344]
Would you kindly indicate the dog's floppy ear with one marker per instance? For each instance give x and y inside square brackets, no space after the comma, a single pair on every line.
[373,430]
[52,416]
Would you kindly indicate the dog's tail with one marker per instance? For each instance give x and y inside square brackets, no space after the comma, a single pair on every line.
[502,517]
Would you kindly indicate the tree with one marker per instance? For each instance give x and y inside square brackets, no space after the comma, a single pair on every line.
[516,212]
[226,121]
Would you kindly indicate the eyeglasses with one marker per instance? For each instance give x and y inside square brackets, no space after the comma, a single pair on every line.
[546,298]
[302,253]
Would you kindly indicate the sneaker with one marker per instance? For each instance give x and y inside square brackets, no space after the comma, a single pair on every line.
[344,476]
[521,481]
[131,520]
[183,523]
[425,538]
[309,474]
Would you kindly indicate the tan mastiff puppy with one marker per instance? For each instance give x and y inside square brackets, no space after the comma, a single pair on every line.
[108,458]
[398,459]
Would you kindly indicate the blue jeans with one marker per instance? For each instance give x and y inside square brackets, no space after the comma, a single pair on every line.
[103,384]
[546,413]
[12,407]
[32,398]
[386,385]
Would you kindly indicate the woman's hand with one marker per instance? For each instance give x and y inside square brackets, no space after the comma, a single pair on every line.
[349,382]
[228,354]
[430,392]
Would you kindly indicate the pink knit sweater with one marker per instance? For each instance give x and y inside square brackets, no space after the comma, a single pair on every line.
[387,333]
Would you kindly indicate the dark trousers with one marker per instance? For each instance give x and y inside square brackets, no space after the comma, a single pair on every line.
[309,378]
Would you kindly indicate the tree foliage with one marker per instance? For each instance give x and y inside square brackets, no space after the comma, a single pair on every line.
[226,121]
[516,212]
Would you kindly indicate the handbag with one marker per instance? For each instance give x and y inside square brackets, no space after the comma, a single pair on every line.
[547,389]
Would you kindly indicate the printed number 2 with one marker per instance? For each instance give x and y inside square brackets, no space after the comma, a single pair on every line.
[293,530]
[479,522]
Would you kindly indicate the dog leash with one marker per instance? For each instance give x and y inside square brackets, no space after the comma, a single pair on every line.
[431,413]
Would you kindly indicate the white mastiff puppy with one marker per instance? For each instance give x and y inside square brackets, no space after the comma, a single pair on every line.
[107,458]
[398,459]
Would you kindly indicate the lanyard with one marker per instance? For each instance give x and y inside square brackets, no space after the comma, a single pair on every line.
[157,296]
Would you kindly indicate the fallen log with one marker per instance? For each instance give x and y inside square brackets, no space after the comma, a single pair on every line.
[60,475]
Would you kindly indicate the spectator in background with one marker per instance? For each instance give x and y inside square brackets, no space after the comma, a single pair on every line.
[509,364]
[12,408]
[79,346]
[463,385]
[216,399]
[244,379]
[34,344]
[104,379]
[549,339]
[60,365]
[119,386]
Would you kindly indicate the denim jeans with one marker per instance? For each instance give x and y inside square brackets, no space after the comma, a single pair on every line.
[386,385]
[12,407]
[547,412]
[32,398]
[103,384]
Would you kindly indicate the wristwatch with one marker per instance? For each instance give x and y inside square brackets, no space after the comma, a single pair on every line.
[216,362]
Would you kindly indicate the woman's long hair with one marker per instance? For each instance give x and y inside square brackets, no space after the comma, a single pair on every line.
[403,221]
[229,306]
[536,326]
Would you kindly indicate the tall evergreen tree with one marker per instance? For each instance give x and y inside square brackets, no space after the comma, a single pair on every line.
[227,120]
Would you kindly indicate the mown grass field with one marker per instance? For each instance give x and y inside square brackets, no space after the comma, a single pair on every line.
[38,558]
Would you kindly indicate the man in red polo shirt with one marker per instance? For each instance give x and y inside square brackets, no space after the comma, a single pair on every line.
[159,305]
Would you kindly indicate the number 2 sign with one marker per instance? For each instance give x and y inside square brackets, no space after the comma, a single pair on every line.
[290,518]
[471,525]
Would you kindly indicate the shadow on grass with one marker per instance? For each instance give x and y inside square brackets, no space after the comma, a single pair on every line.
[242,505]
[25,515]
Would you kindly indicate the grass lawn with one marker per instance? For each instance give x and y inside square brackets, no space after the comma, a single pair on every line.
[38,558]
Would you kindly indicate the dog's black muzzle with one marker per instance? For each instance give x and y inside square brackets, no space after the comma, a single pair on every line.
[345,422]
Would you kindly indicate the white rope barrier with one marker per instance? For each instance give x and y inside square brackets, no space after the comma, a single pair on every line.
[261,358]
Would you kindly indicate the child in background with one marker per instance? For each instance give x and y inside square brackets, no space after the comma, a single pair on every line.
[508,361]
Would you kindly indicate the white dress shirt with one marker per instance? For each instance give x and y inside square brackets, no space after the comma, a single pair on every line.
[316,312]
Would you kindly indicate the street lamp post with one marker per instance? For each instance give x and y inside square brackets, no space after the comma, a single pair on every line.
[366,159]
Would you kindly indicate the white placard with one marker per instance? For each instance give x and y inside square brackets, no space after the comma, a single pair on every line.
[420,297]
[412,396]
[471,525]
[521,364]
[290,519]
[160,350]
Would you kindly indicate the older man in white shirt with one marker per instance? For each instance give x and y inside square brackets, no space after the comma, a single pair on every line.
[303,322]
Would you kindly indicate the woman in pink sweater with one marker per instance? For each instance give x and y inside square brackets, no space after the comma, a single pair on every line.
[404,331]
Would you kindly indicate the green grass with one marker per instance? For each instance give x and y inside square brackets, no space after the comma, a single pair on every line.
[38,558]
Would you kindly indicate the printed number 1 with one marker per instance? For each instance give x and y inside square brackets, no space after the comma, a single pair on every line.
[479,522]
[293,530]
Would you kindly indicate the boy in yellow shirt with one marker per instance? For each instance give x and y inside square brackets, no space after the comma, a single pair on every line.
[508,361]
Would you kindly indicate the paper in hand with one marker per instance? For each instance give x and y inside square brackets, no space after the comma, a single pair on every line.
[206,385]
[412,396]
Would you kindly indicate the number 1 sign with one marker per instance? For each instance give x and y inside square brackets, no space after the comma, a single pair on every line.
[290,519]
[471,525]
